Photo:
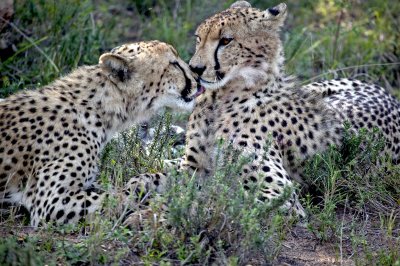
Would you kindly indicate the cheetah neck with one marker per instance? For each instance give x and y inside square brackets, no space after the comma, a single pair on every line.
[213,105]
[261,89]
[100,106]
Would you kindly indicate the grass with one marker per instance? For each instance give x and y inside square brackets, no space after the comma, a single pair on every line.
[220,223]
[358,179]
[357,174]
[355,203]
[205,227]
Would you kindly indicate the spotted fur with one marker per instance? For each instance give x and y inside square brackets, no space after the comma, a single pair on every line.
[51,137]
[253,99]
[251,103]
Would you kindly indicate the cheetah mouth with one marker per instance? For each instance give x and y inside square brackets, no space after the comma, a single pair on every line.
[200,90]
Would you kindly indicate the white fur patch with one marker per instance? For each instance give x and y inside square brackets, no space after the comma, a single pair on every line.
[173,102]
[250,76]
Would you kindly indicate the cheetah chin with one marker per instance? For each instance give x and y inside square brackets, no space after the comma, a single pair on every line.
[249,75]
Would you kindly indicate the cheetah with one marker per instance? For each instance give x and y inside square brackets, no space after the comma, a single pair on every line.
[51,138]
[250,101]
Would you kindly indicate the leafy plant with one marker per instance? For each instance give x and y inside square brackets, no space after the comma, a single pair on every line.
[357,173]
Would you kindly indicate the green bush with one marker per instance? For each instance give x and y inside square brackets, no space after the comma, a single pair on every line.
[357,175]
[214,220]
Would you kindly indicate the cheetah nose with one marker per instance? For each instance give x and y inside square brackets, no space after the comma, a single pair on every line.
[199,70]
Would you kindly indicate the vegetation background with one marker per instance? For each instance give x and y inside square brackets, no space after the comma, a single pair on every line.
[355,207]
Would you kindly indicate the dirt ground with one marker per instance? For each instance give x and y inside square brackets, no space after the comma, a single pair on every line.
[300,248]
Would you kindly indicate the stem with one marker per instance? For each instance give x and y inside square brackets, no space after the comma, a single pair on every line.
[336,39]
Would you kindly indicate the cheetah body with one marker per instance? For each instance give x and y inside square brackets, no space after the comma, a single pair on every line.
[250,103]
[51,137]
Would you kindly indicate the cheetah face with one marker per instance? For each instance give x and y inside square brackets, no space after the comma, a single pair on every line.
[152,74]
[240,42]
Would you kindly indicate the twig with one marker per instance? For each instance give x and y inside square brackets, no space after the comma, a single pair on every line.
[336,39]
[31,42]
[120,218]
[176,9]
[341,233]
[223,224]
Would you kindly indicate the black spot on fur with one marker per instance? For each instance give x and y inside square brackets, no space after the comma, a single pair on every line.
[273,11]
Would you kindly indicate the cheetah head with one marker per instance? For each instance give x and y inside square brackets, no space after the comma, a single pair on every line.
[239,43]
[152,76]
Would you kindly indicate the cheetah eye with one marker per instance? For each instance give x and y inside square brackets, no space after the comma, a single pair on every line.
[225,41]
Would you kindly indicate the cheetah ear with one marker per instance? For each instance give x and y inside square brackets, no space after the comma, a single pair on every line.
[276,14]
[240,4]
[174,51]
[115,65]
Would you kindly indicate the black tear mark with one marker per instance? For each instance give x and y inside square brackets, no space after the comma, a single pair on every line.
[188,84]
[217,65]
[273,11]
